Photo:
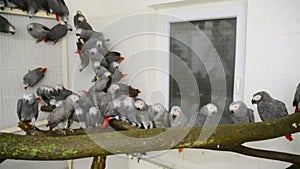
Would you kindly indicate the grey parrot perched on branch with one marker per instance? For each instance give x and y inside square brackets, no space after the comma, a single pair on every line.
[34,76]
[6,26]
[60,9]
[28,108]
[80,22]
[32,7]
[62,113]
[296,100]
[177,118]
[161,116]
[38,31]
[101,83]
[269,108]
[240,113]
[57,32]
[93,118]
[145,114]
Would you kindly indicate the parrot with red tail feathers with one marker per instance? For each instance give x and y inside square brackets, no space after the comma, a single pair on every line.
[57,32]
[296,100]
[269,108]
[33,76]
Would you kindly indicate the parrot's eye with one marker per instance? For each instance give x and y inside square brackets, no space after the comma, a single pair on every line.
[257,97]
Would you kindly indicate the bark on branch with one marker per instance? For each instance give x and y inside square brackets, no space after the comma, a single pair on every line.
[224,138]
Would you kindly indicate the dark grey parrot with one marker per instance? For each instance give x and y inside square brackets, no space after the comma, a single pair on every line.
[32,7]
[6,26]
[57,32]
[240,113]
[296,100]
[60,9]
[38,31]
[27,108]
[269,108]
[34,76]
[45,93]
[80,22]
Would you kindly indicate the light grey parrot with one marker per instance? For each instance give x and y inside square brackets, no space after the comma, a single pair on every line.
[161,116]
[60,9]
[269,108]
[32,7]
[62,113]
[84,34]
[207,115]
[57,32]
[93,118]
[296,100]
[6,26]
[101,83]
[38,31]
[28,108]
[45,92]
[82,107]
[33,76]
[145,114]
[177,118]
[80,22]
[240,113]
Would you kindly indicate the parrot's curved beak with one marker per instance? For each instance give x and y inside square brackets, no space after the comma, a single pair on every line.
[253,101]
[173,116]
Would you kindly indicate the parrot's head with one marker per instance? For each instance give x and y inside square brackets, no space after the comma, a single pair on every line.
[81,18]
[107,75]
[140,104]
[113,89]
[30,27]
[158,107]
[11,29]
[78,32]
[115,65]
[257,97]
[30,98]
[78,12]
[72,98]
[238,108]
[175,112]
[59,88]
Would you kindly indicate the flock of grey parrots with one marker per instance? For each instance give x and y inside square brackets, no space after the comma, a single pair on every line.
[108,98]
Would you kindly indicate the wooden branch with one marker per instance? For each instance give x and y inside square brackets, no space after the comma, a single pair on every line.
[99,162]
[225,138]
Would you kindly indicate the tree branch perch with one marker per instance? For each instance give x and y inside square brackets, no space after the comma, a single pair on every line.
[224,138]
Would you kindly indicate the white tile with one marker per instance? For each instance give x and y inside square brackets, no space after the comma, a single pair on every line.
[284,54]
[285,16]
[258,18]
[257,53]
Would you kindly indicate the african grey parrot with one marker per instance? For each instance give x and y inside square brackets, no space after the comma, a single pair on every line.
[240,113]
[82,106]
[98,41]
[62,113]
[27,108]
[80,21]
[32,7]
[3,3]
[57,32]
[101,83]
[20,4]
[296,100]
[60,92]
[145,114]
[46,93]
[38,31]
[6,26]
[128,110]
[33,76]
[110,57]
[60,9]
[93,118]
[84,34]
[207,115]
[177,118]
[161,116]
[269,108]
[99,70]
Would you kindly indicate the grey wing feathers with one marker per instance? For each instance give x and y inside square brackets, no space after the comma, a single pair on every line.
[251,115]
[19,108]
[272,110]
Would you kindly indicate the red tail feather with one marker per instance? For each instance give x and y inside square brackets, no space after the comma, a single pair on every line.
[56,17]
[180,150]
[78,51]
[124,75]
[45,40]
[105,123]
[289,137]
